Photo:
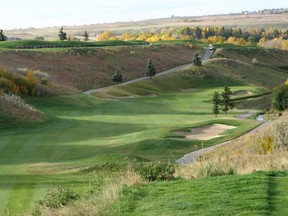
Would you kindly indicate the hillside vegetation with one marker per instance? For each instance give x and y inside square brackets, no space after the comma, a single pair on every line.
[82,159]
[76,69]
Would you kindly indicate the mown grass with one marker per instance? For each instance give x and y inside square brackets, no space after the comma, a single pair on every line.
[36,44]
[83,131]
[252,194]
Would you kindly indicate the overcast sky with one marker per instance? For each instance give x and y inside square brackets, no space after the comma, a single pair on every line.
[44,13]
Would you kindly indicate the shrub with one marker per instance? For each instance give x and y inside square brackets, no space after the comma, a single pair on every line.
[155,171]
[62,196]
[265,144]
[280,130]
[280,97]
[6,85]
[210,169]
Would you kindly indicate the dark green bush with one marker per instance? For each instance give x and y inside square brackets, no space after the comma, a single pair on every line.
[155,171]
[62,196]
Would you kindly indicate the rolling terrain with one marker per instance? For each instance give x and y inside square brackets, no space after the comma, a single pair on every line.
[133,122]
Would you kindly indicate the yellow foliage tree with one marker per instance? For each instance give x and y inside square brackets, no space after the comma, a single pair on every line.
[31,82]
[106,35]
[127,36]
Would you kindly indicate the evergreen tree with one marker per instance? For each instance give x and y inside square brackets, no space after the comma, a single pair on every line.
[2,36]
[150,70]
[197,60]
[86,36]
[216,103]
[117,77]
[226,101]
[280,97]
[62,35]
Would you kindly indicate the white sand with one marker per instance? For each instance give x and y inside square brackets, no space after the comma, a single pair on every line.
[206,132]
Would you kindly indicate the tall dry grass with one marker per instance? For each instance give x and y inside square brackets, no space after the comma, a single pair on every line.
[262,150]
[97,202]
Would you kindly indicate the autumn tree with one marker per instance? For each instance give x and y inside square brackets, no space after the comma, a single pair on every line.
[86,36]
[117,77]
[150,69]
[106,35]
[226,101]
[197,60]
[62,35]
[31,82]
[2,36]
[216,103]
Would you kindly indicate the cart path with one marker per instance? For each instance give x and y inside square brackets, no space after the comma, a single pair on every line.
[205,57]
[192,156]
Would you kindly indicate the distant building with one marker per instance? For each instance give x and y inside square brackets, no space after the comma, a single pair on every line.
[13,38]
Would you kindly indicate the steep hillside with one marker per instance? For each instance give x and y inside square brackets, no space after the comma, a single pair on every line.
[255,55]
[77,69]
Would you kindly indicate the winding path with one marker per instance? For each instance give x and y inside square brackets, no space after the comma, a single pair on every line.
[205,57]
[192,156]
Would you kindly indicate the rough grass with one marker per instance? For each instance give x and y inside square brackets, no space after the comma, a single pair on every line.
[76,69]
[253,152]
[12,114]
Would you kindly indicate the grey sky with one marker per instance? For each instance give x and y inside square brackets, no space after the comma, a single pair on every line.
[43,13]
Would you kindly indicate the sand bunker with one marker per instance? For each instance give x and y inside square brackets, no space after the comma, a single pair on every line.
[241,93]
[189,90]
[206,132]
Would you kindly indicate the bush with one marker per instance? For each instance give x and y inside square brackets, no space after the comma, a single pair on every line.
[211,169]
[280,97]
[280,130]
[155,171]
[6,85]
[62,196]
[265,144]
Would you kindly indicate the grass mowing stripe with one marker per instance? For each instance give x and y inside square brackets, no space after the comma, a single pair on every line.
[6,187]
[20,197]
[227,195]
[278,196]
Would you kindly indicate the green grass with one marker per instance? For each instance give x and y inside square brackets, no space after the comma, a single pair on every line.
[30,44]
[84,130]
[253,194]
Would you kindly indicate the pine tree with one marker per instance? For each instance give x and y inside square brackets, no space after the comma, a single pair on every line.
[117,77]
[150,70]
[197,60]
[226,101]
[2,36]
[62,35]
[86,36]
[216,103]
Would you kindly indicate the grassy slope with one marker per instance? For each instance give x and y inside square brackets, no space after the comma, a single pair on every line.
[84,130]
[254,194]
[76,69]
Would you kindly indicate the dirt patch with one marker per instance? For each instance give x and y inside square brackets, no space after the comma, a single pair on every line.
[206,132]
